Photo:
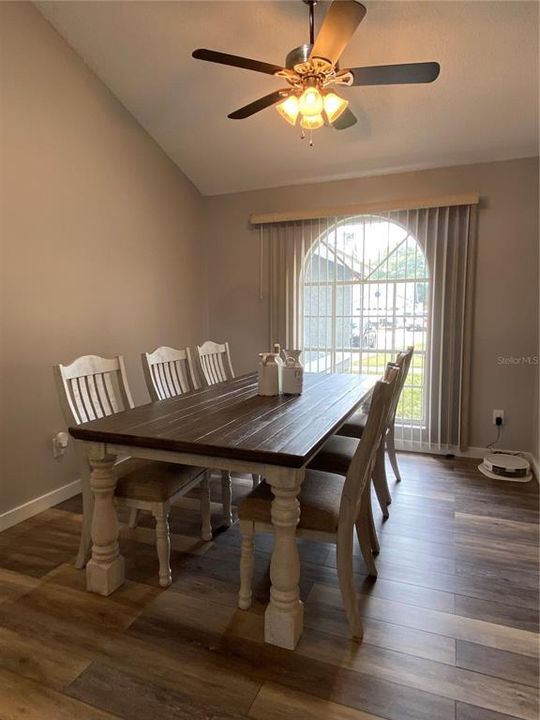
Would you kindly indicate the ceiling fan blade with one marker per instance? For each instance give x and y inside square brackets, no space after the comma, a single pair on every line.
[339,24]
[396,74]
[260,104]
[235,61]
[346,120]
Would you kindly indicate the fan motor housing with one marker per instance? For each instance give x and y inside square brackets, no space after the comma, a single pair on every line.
[297,56]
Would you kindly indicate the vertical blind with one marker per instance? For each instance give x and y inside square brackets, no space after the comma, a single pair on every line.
[353,290]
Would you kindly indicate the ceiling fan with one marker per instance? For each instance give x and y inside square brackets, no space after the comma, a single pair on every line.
[312,72]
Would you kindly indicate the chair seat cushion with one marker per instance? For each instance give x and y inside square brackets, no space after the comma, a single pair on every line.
[354,427]
[320,497]
[335,455]
[154,481]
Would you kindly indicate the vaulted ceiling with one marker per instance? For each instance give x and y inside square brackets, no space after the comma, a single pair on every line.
[484,106]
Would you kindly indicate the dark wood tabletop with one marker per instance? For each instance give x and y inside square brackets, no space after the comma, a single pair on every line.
[230,420]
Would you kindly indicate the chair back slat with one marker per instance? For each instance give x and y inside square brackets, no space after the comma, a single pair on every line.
[209,362]
[169,379]
[102,394]
[85,396]
[164,390]
[92,387]
[215,362]
[78,408]
[361,466]
[94,398]
[111,395]
[166,372]
[180,371]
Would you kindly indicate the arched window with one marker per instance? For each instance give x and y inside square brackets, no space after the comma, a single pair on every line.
[365,298]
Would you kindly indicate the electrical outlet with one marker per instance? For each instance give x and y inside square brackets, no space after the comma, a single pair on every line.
[60,442]
[498,414]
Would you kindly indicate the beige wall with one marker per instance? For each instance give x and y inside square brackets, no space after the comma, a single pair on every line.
[506,302]
[101,244]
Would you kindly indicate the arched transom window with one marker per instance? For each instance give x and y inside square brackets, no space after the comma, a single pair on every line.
[365,298]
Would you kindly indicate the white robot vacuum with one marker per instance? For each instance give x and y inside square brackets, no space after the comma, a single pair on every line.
[502,466]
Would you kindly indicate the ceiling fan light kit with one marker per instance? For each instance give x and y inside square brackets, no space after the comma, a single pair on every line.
[312,72]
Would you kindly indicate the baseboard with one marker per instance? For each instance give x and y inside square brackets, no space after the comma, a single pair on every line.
[39,504]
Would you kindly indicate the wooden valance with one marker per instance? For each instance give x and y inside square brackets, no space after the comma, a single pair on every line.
[364,209]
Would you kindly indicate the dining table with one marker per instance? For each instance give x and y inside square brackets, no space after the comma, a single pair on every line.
[226,426]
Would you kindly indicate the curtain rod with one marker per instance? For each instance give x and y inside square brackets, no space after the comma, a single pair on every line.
[364,209]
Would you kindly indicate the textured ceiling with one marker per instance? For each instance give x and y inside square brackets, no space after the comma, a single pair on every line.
[484,106]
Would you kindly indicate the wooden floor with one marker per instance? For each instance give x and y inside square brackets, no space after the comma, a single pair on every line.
[450,625]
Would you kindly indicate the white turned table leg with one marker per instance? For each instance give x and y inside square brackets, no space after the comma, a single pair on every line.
[284,617]
[105,570]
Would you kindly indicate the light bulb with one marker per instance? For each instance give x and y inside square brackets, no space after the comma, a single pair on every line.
[288,109]
[312,122]
[311,102]
[334,106]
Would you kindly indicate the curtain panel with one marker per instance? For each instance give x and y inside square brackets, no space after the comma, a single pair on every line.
[446,236]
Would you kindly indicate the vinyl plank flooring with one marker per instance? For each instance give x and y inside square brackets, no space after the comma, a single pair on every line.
[513,577]
[34,658]
[384,588]
[127,696]
[472,712]
[178,666]
[497,613]
[416,674]
[505,549]
[275,702]
[14,584]
[450,623]
[460,628]
[480,588]
[24,699]
[406,559]
[296,671]
[509,666]
[499,529]
[381,634]
[498,510]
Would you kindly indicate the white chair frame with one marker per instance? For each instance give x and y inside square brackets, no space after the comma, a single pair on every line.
[404,360]
[167,372]
[92,387]
[214,360]
[380,481]
[353,513]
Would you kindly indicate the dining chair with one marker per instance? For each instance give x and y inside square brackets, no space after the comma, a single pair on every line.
[168,373]
[330,510]
[214,363]
[93,387]
[354,428]
[405,359]
[214,360]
